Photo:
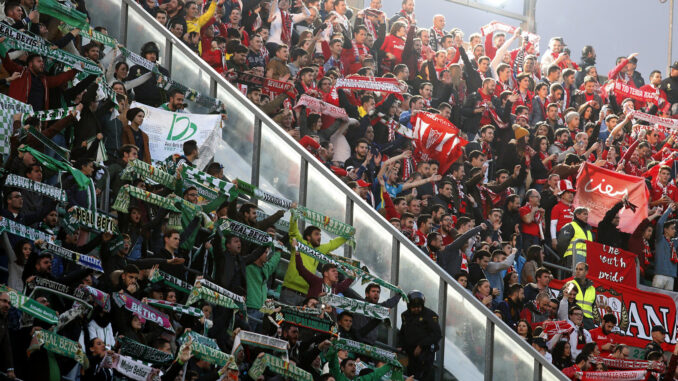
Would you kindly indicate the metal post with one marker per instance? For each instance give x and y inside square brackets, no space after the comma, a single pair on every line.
[256,151]
[668,64]
[124,13]
[348,218]
[529,10]
[442,312]
[395,267]
[303,181]
[167,59]
[537,371]
[489,349]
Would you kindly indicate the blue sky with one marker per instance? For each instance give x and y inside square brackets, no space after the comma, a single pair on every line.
[614,28]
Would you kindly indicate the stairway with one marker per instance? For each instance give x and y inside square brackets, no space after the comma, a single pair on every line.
[477,345]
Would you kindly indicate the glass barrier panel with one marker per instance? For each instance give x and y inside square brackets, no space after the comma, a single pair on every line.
[413,274]
[106,13]
[185,71]
[235,149]
[464,338]
[510,360]
[373,244]
[326,198]
[546,375]
[279,170]
[139,33]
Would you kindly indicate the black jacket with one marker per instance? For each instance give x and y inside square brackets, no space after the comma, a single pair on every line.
[419,330]
[609,234]
[450,258]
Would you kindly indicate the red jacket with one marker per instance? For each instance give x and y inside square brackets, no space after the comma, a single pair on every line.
[20,87]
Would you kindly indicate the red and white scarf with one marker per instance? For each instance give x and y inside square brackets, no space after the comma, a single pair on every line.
[320,107]
[385,85]
[629,363]
[553,328]
[286,32]
[489,113]
[674,255]
[627,91]
[616,375]
[359,50]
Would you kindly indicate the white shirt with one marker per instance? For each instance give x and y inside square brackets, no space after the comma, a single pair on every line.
[276,24]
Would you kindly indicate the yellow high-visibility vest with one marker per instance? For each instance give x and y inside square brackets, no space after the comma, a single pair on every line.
[586,299]
[579,233]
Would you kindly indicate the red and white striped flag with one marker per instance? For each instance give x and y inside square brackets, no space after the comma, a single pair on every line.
[436,138]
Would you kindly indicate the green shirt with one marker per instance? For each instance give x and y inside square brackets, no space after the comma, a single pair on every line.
[292,279]
[335,369]
[257,290]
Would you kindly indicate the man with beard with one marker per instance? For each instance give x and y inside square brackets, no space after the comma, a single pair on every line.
[578,229]
[5,344]
[365,325]
[537,311]
[588,58]
[512,305]
[602,335]
[510,219]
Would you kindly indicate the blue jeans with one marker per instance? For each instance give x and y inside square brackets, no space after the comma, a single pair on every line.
[254,319]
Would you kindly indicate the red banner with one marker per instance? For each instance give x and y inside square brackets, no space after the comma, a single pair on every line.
[436,138]
[637,311]
[611,263]
[599,189]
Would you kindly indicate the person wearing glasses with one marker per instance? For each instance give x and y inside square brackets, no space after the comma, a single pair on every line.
[579,335]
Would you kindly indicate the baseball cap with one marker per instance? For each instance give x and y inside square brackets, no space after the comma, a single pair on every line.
[363,184]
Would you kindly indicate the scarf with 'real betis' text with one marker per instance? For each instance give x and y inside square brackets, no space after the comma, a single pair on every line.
[259,341]
[61,346]
[278,366]
[21,41]
[245,232]
[212,297]
[23,231]
[215,287]
[54,193]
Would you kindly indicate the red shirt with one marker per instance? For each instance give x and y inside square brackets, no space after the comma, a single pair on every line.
[394,45]
[447,239]
[658,191]
[532,228]
[572,371]
[601,339]
[563,214]
[419,238]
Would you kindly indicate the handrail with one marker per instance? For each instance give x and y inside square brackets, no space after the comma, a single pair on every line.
[329,176]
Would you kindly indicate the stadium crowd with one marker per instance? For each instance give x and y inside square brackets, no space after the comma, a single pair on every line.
[172,282]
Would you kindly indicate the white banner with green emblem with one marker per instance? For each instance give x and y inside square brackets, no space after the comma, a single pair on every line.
[168,131]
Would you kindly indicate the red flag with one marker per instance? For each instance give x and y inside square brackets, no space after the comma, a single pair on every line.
[436,138]
[599,189]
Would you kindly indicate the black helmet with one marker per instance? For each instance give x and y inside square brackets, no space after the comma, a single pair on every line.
[416,299]
[150,47]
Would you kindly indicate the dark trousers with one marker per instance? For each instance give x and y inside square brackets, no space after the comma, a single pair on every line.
[421,367]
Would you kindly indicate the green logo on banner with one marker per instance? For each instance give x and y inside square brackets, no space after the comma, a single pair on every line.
[185,123]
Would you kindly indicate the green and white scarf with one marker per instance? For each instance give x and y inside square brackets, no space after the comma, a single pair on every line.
[311,318]
[215,287]
[200,339]
[22,41]
[278,366]
[143,352]
[48,115]
[206,353]
[208,181]
[63,153]
[66,14]
[281,224]
[23,231]
[356,306]
[169,280]
[122,201]
[245,232]
[192,311]
[30,306]
[375,353]
[93,220]
[9,107]
[61,346]
[255,192]
[347,269]
[54,193]
[259,341]
[140,169]
[212,297]
[325,223]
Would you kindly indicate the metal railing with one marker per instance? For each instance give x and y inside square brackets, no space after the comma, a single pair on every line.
[477,345]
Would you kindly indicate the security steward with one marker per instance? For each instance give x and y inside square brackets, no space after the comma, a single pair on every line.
[577,229]
[586,295]
[419,337]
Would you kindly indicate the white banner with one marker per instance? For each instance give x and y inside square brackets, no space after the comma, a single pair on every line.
[168,131]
